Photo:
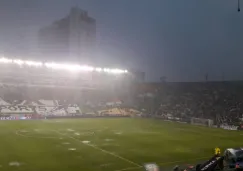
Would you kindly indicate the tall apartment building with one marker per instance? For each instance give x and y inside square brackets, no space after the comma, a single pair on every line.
[69,39]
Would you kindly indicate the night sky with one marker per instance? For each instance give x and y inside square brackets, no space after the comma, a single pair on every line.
[179,39]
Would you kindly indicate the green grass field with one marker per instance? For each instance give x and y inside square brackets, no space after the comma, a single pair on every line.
[106,144]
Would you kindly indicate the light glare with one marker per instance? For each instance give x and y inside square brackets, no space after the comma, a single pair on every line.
[68,67]
[33,63]
[5,60]
[19,62]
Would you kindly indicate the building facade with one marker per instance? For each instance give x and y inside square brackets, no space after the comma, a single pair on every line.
[69,39]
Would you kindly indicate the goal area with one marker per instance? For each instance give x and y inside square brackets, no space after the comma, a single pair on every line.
[201,121]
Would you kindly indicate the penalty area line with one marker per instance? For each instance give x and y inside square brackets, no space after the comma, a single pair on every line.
[100,149]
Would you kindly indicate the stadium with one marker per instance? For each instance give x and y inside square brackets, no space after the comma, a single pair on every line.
[72,117]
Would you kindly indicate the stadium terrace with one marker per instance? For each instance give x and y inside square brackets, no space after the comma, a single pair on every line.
[62,66]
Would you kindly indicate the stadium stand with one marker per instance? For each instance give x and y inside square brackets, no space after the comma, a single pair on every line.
[51,89]
[218,101]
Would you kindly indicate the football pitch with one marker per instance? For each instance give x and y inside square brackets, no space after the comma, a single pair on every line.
[106,144]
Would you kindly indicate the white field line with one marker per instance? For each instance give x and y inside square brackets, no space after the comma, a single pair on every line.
[29,136]
[165,163]
[104,151]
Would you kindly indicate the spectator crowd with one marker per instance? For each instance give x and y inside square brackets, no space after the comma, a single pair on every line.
[219,101]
